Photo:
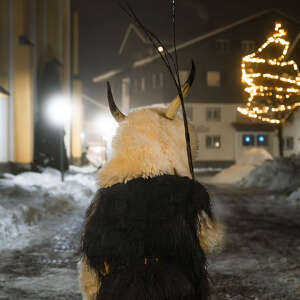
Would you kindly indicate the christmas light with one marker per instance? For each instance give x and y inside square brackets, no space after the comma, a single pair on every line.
[272,92]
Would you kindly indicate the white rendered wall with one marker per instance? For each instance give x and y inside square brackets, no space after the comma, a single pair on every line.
[3,130]
[222,128]
[293,129]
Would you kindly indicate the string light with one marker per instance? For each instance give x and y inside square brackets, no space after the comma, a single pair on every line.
[273,92]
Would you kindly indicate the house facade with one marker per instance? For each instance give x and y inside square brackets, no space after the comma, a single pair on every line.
[32,33]
[224,134]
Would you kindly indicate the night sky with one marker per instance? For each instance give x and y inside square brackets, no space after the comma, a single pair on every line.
[103,25]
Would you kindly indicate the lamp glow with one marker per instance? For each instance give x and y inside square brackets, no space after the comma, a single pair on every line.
[160,49]
[107,127]
[58,111]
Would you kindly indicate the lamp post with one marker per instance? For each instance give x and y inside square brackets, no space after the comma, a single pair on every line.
[58,113]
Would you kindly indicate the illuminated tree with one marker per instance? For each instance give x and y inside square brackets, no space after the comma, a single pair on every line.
[272,82]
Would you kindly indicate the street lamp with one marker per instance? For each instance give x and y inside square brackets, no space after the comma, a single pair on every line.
[58,111]
[59,114]
[107,127]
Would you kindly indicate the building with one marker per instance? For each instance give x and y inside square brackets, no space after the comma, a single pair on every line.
[32,33]
[223,133]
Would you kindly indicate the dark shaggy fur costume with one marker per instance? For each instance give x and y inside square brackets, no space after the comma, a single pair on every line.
[146,231]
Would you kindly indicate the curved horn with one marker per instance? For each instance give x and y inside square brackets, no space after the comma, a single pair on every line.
[175,104]
[113,107]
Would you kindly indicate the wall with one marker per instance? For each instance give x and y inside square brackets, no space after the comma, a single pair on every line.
[3,130]
[4,75]
[28,29]
[223,128]
[23,87]
[292,129]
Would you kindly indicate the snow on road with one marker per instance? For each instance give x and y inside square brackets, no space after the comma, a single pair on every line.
[261,258]
[30,199]
[42,219]
[40,223]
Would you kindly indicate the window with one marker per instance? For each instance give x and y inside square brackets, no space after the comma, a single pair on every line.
[288,142]
[135,85]
[161,80]
[143,84]
[154,81]
[259,140]
[189,112]
[262,140]
[213,141]
[223,46]
[213,79]
[213,114]
[248,140]
[248,46]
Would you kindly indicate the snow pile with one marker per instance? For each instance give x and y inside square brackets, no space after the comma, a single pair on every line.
[278,174]
[254,157]
[294,198]
[248,161]
[29,199]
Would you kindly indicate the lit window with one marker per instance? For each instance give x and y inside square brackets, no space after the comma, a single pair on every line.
[262,140]
[248,46]
[213,114]
[213,141]
[213,79]
[248,140]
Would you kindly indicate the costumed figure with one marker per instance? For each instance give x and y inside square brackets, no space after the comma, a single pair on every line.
[149,226]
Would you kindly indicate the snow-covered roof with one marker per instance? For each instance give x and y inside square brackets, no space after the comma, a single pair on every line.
[107,75]
[131,28]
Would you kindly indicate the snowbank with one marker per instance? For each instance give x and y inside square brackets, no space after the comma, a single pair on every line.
[278,174]
[244,165]
[294,198]
[254,157]
[28,199]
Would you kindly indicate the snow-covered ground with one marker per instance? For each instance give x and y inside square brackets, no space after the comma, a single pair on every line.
[281,175]
[257,169]
[278,174]
[40,223]
[29,200]
[244,165]
[41,219]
